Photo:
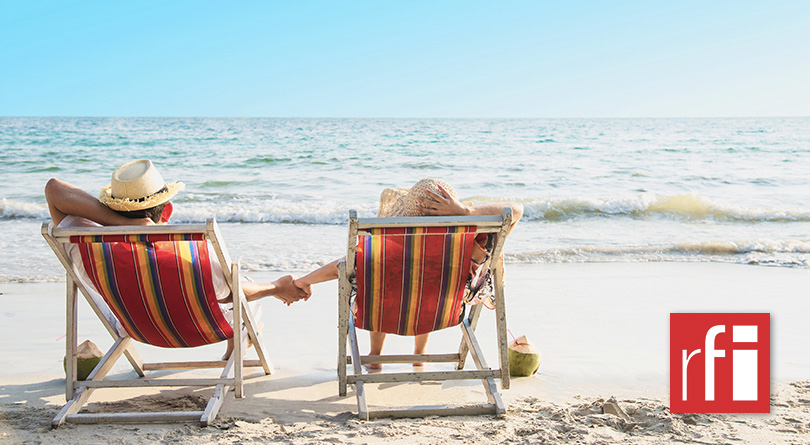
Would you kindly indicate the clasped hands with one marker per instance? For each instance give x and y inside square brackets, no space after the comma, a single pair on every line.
[289,290]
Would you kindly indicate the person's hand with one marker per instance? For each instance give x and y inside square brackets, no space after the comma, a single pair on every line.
[304,287]
[287,292]
[440,205]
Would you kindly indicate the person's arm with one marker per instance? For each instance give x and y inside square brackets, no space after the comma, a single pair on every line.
[447,205]
[282,288]
[65,199]
[323,273]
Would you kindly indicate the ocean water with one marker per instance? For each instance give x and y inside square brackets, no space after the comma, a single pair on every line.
[594,190]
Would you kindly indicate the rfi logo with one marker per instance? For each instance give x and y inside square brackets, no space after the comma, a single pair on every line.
[719,363]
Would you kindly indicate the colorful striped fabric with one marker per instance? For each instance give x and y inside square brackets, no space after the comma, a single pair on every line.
[161,292]
[142,238]
[411,281]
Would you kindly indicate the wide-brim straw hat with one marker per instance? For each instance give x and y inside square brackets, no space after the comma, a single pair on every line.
[137,185]
[404,202]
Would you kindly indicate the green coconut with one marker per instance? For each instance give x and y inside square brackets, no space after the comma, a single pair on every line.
[87,357]
[524,358]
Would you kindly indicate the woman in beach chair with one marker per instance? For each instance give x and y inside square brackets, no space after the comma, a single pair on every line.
[163,285]
[138,196]
[429,197]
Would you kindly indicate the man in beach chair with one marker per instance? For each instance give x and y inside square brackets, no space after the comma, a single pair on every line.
[154,283]
[410,280]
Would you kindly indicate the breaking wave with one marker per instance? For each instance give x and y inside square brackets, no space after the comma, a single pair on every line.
[684,207]
[777,252]
[688,207]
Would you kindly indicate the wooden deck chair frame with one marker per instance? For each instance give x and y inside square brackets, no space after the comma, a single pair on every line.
[78,392]
[469,344]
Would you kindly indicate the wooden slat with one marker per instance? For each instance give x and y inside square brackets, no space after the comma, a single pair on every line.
[472,344]
[106,363]
[472,319]
[139,383]
[477,354]
[434,410]
[213,406]
[196,365]
[215,237]
[500,303]
[362,404]
[483,222]
[343,326]
[70,338]
[62,233]
[406,358]
[424,376]
[154,417]
[215,402]
[238,344]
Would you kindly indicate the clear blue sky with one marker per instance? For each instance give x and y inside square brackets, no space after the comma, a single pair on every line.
[405,59]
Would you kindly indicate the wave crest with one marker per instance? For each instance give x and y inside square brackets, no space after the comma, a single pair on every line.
[10,209]
[687,207]
[228,207]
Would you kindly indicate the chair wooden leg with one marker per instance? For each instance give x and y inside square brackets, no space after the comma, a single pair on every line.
[215,402]
[238,356]
[477,354]
[472,320]
[362,404]
[500,315]
[343,326]
[71,333]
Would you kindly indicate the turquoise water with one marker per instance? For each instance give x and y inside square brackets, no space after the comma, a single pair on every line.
[728,190]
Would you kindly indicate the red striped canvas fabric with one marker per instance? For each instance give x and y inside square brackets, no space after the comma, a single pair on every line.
[161,292]
[410,281]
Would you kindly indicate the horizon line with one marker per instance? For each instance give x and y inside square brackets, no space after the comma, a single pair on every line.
[400,117]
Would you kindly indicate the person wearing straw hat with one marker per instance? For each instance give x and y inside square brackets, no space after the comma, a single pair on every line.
[428,197]
[138,195]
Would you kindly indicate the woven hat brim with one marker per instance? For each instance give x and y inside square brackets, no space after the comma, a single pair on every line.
[389,199]
[405,201]
[129,205]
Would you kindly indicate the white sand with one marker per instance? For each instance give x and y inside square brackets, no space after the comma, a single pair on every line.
[602,330]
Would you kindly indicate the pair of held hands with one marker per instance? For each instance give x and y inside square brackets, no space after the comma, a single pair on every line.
[289,290]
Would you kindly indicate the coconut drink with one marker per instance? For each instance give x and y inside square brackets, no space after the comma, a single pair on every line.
[524,358]
[87,357]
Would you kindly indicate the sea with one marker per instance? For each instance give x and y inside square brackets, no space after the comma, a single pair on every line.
[731,190]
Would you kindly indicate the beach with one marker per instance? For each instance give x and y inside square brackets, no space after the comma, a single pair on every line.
[626,221]
[654,155]
[602,330]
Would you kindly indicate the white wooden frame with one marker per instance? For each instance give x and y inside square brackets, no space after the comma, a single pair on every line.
[77,392]
[469,344]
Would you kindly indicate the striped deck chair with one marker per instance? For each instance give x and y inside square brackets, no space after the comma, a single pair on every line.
[410,276]
[156,284]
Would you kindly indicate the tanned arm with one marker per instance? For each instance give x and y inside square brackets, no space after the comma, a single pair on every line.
[447,205]
[65,199]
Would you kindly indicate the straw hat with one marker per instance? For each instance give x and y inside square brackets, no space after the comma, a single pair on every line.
[137,185]
[403,202]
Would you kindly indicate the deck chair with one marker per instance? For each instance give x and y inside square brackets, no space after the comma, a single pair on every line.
[410,275]
[156,282]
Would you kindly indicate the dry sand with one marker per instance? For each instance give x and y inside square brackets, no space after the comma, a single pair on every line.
[602,330]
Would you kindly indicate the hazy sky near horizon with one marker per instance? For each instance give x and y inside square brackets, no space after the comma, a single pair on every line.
[405,59]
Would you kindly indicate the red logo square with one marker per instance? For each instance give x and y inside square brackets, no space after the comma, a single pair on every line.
[719,363]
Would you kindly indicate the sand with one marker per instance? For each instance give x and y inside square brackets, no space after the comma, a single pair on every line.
[602,330]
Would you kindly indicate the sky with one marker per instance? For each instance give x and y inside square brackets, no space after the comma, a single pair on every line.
[495,59]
